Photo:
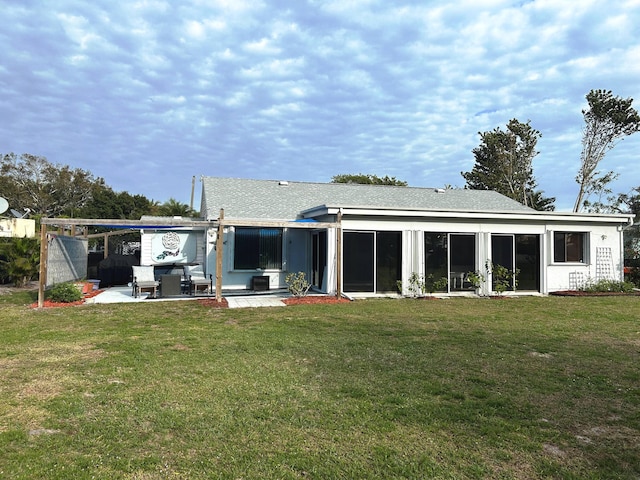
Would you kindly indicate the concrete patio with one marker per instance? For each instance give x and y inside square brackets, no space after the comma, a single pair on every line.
[235,298]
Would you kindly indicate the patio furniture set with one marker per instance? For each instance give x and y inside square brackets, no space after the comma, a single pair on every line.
[192,281]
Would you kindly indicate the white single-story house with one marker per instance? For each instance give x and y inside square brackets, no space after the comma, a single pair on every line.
[364,239]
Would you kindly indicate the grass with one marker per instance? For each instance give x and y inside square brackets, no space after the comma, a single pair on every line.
[450,389]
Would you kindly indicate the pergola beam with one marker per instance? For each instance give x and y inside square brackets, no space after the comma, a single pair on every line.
[276,224]
[101,222]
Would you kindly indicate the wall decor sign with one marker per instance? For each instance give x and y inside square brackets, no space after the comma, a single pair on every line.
[173,247]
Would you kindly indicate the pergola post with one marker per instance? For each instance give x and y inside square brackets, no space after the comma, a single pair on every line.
[339,254]
[219,250]
[44,253]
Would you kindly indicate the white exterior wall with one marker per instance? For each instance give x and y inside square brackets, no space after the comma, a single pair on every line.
[295,257]
[563,276]
[553,276]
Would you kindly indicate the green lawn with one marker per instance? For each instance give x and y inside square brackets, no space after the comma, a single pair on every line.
[448,389]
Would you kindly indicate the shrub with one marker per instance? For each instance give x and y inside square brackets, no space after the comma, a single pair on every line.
[632,276]
[297,283]
[605,285]
[476,279]
[66,292]
[432,285]
[418,285]
[503,278]
[19,260]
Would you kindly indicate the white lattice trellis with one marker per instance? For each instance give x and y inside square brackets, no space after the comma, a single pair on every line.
[604,264]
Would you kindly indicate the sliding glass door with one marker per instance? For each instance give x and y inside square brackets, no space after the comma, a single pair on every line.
[451,256]
[528,262]
[388,261]
[462,259]
[358,261]
[319,259]
[372,261]
[521,251]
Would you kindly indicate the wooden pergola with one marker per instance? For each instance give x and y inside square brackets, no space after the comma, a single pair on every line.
[221,223]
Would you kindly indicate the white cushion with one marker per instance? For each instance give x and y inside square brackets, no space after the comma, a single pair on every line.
[143,274]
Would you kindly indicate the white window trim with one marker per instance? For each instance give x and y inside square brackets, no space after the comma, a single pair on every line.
[230,240]
[586,248]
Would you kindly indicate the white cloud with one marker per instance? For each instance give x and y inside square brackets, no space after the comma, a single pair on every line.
[275,68]
[195,29]
[238,99]
[242,88]
[263,46]
[280,110]
[78,30]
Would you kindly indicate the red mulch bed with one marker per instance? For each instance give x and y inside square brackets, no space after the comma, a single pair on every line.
[49,303]
[579,293]
[315,299]
[213,303]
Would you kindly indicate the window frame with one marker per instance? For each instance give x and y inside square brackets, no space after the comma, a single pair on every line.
[261,266]
[581,259]
[453,258]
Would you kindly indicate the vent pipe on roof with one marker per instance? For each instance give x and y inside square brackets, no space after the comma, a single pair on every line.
[283,183]
[440,190]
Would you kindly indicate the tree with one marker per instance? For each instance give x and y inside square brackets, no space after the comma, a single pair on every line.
[368,179]
[19,260]
[629,202]
[504,163]
[173,207]
[105,203]
[31,181]
[540,202]
[608,120]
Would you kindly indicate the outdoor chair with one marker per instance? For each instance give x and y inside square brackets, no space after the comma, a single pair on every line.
[197,280]
[144,280]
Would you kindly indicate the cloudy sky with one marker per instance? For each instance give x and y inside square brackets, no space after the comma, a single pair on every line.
[149,93]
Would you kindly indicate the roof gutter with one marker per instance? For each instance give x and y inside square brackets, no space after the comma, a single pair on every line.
[474,214]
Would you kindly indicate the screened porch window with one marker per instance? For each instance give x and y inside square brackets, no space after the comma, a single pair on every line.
[450,256]
[258,248]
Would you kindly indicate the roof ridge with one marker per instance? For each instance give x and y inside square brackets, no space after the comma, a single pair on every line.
[308,182]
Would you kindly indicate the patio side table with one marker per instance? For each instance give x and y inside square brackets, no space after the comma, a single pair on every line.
[170,285]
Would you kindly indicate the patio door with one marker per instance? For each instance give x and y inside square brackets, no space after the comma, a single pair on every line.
[521,251]
[357,264]
[372,261]
[528,261]
[319,259]
[388,261]
[450,256]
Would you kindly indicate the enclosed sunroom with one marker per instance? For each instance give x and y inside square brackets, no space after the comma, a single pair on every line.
[366,240]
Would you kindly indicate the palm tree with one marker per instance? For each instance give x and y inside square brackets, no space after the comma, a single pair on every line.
[20,260]
[173,207]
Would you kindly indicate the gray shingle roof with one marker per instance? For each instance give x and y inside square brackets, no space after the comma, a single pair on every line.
[273,200]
